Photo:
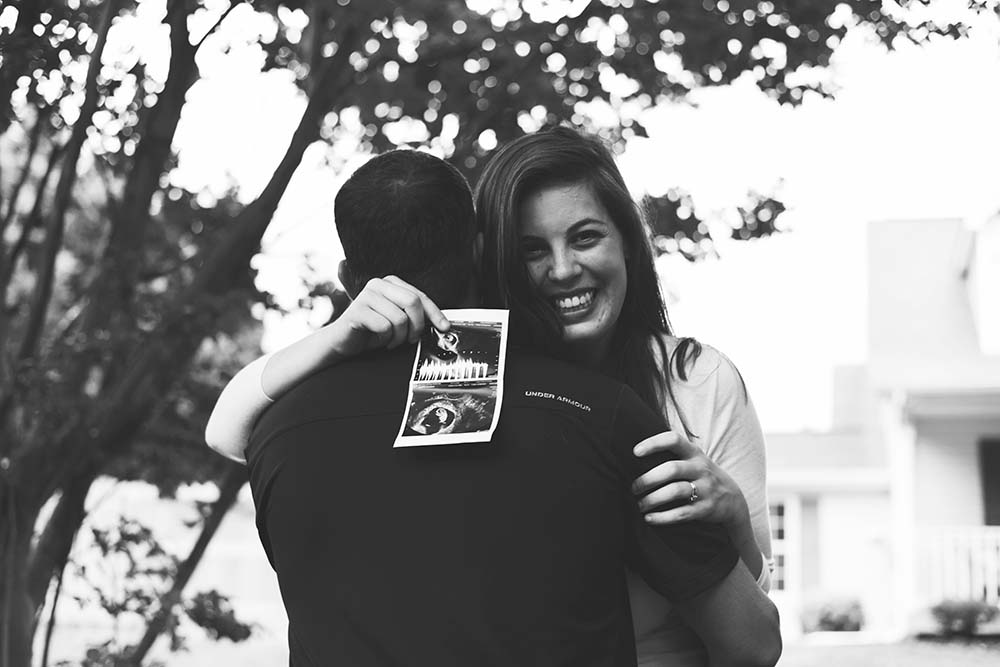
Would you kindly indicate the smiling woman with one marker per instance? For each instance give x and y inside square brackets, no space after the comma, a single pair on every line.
[575,255]
[561,227]
[567,252]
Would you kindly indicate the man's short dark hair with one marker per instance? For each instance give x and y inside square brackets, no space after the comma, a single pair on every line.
[409,214]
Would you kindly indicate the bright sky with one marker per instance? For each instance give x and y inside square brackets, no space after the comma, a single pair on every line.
[912,134]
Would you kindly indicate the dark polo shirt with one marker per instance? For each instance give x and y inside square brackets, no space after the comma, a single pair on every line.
[510,552]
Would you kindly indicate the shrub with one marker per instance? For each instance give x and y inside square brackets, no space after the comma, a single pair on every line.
[839,615]
[962,617]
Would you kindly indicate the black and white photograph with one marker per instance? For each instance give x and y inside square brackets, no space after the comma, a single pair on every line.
[254,409]
[456,388]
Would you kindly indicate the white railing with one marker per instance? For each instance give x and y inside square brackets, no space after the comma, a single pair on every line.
[960,562]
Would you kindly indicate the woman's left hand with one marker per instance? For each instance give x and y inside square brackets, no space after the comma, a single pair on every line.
[692,485]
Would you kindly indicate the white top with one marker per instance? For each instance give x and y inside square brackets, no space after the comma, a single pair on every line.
[723,423]
[240,404]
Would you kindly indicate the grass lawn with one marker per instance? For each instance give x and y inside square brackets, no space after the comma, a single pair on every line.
[910,653]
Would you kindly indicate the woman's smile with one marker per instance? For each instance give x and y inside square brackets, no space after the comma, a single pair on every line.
[576,303]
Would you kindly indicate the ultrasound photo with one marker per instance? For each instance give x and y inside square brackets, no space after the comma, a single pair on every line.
[457,381]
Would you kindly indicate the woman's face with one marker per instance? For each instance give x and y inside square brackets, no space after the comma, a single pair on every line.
[575,257]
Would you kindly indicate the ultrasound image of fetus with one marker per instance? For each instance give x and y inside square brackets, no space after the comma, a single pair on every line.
[459,412]
[446,345]
[439,417]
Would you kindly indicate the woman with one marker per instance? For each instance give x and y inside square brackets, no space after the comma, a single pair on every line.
[567,253]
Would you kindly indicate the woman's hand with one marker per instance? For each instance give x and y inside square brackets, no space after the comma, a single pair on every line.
[386,313]
[689,487]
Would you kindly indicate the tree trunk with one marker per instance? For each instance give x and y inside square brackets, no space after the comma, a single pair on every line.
[54,544]
[16,613]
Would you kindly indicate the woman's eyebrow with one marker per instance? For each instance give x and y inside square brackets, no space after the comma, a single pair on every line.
[584,222]
[576,226]
[572,228]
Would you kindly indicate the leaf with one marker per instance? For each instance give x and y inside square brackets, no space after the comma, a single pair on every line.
[214,612]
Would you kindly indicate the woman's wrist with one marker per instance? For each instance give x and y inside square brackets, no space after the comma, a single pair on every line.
[741,533]
[289,365]
[332,339]
[737,521]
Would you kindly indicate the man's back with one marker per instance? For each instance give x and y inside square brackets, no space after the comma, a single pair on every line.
[510,552]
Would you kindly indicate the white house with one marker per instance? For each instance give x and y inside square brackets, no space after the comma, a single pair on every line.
[898,506]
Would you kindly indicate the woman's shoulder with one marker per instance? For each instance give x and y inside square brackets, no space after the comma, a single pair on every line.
[703,363]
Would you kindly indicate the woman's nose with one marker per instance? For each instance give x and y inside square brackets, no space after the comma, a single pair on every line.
[564,266]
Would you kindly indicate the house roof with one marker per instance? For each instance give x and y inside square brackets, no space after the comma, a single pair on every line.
[962,403]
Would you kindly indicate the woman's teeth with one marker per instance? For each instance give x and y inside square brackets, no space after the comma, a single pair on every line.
[575,302]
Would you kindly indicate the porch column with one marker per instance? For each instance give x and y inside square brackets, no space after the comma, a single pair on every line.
[900,439]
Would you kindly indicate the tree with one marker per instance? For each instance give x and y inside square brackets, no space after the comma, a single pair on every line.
[113,278]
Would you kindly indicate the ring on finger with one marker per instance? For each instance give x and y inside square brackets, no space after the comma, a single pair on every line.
[694,493]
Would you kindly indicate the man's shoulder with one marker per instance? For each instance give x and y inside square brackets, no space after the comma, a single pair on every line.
[522,361]
[370,384]
[536,381]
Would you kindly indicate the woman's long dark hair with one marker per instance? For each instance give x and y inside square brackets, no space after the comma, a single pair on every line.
[562,156]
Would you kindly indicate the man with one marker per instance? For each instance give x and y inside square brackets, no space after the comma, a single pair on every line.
[511,552]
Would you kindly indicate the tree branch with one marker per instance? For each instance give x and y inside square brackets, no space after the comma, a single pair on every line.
[55,225]
[51,625]
[481,121]
[312,41]
[17,48]
[33,219]
[239,242]
[110,292]
[216,25]
[33,141]
[7,265]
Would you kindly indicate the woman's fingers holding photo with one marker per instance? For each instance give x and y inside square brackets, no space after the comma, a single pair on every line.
[399,303]
[376,301]
[407,301]
[427,307]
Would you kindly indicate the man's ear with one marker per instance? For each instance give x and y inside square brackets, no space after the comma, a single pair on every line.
[477,249]
[347,279]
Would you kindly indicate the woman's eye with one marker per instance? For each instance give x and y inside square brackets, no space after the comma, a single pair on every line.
[588,238]
[532,251]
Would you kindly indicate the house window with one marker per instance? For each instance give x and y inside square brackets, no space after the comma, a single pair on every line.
[777,521]
[777,512]
[778,580]
[989,471]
